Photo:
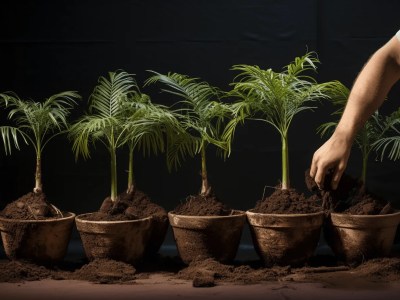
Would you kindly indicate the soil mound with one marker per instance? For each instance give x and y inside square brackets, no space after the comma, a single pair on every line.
[32,206]
[104,271]
[202,206]
[286,201]
[351,196]
[130,206]
[19,271]
[209,272]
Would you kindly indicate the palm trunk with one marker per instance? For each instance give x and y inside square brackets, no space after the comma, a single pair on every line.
[365,155]
[205,188]
[131,178]
[38,175]
[285,163]
[114,190]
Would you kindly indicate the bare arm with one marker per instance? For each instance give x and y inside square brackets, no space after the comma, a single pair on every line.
[369,91]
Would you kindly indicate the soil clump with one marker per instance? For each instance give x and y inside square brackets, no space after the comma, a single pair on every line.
[32,206]
[287,202]
[129,206]
[198,205]
[350,197]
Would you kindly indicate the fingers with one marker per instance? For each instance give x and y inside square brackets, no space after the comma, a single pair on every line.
[336,176]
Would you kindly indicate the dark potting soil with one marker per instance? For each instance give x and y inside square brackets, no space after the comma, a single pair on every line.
[130,206]
[351,196]
[32,206]
[198,205]
[206,273]
[287,202]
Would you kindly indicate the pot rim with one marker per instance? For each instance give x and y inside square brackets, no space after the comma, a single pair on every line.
[251,212]
[240,213]
[78,218]
[71,215]
[397,213]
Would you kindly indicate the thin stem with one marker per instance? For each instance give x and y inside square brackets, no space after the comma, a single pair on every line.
[205,188]
[38,174]
[131,178]
[114,191]
[285,163]
[365,155]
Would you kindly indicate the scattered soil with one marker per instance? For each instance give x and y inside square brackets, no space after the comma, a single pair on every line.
[32,206]
[199,205]
[19,271]
[351,196]
[207,272]
[103,271]
[287,202]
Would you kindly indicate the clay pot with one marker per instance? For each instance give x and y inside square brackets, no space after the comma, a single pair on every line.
[285,239]
[119,240]
[215,237]
[355,238]
[41,241]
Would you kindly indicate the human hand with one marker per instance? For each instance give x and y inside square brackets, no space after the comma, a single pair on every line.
[332,155]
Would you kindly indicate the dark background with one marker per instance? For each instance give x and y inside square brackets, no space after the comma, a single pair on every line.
[52,46]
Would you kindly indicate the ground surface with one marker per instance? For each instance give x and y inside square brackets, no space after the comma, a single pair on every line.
[377,279]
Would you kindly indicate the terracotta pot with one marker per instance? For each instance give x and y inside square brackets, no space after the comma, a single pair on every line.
[285,239]
[217,237]
[42,241]
[119,240]
[355,238]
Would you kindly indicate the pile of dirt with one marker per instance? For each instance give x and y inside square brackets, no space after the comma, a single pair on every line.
[199,205]
[380,269]
[351,196]
[32,206]
[104,271]
[208,272]
[19,271]
[129,206]
[286,202]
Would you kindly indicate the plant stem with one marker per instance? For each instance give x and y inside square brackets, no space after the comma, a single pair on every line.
[113,174]
[131,178]
[205,188]
[285,163]
[38,174]
[365,155]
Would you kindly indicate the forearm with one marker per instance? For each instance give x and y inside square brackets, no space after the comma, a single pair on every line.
[370,89]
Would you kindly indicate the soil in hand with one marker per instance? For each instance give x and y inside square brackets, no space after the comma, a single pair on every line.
[32,206]
[351,196]
[199,205]
[287,202]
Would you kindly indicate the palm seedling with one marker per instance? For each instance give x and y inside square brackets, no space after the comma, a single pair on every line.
[276,97]
[119,114]
[390,139]
[36,123]
[201,118]
[146,125]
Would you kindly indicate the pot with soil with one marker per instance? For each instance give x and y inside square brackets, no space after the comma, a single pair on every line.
[127,226]
[42,239]
[360,225]
[213,231]
[31,227]
[285,226]
[203,226]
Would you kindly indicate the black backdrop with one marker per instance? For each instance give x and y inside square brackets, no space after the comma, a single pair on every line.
[52,46]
